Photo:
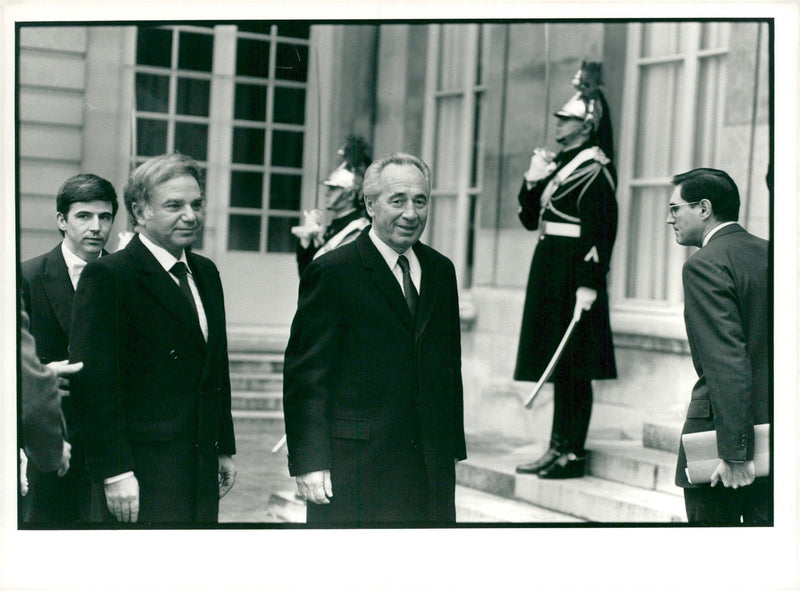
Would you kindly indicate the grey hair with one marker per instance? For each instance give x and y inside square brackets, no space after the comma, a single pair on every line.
[372,177]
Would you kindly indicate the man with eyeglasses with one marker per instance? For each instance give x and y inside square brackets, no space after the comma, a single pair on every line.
[726,309]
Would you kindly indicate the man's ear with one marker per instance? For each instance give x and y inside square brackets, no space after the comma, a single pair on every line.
[61,221]
[138,212]
[368,204]
[706,209]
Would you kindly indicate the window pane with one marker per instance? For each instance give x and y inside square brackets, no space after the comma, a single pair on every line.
[448,133]
[193,97]
[661,39]
[153,47]
[708,99]
[192,139]
[195,51]
[244,232]
[246,189]
[713,35]
[296,30]
[252,58]
[290,105]
[250,102]
[442,219]
[151,137]
[452,56]
[291,62]
[287,148]
[152,93]
[279,234]
[260,27]
[649,239]
[284,192]
[248,145]
[658,114]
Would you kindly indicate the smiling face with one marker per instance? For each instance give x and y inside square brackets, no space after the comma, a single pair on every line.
[86,227]
[174,216]
[686,220]
[400,212]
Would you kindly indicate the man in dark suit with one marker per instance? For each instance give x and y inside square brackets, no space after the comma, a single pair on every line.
[373,398]
[154,394]
[85,208]
[726,308]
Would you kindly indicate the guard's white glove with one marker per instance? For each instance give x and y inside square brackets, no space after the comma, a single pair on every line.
[312,228]
[541,165]
[23,473]
[584,298]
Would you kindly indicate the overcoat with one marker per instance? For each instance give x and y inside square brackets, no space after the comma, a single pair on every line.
[47,295]
[366,388]
[561,264]
[726,309]
[154,396]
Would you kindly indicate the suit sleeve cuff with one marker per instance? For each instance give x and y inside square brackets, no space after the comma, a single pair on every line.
[117,478]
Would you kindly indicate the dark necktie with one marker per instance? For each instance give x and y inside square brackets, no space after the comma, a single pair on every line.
[180,271]
[408,286]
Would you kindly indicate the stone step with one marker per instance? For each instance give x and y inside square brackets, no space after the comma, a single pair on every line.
[257,340]
[269,400]
[285,506]
[663,435]
[256,382]
[628,462]
[472,506]
[595,499]
[264,418]
[255,362]
[475,506]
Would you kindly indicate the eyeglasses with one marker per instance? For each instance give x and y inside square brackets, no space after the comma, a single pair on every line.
[673,209]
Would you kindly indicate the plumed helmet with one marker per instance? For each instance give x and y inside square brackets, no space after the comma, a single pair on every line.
[589,104]
[341,177]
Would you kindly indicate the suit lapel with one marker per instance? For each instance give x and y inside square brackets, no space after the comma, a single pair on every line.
[383,277]
[428,290]
[157,281]
[58,288]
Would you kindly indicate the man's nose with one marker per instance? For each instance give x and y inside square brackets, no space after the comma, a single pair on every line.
[409,211]
[94,225]
[188,213]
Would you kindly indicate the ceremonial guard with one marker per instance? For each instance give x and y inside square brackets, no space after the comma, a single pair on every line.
[569,198]
[344,217]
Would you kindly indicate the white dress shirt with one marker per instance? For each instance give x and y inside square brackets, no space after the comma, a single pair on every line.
[390,255]
[75,264]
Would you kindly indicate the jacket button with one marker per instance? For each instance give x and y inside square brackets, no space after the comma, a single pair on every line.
[173,354]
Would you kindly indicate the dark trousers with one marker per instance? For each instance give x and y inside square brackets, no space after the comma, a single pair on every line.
[717,505]
[572,409]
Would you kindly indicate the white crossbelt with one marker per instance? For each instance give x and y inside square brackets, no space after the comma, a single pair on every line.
[561,229]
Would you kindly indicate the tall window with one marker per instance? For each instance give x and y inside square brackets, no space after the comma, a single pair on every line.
[673,97]
[267,148]
[452,138]
[252,77]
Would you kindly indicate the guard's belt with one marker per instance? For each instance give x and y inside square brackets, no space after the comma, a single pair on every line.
[561,229]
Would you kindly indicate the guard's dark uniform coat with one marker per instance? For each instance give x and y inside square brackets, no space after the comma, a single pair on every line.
[562,264]
[153,397]
[371,395]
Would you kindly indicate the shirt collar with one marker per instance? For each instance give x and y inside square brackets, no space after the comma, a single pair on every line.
[714,230]
[164,258]
[389,254]
[70,258]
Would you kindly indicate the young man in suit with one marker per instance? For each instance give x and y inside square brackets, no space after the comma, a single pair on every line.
[154,394]
[726,308]
[85,208]
[373,398]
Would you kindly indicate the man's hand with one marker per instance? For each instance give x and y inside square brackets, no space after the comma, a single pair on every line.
[584,298]
[61,369]
[541,166]
[227,474]
[315,486]
[734,474]
[63,466]
[23,473]
[122,498]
